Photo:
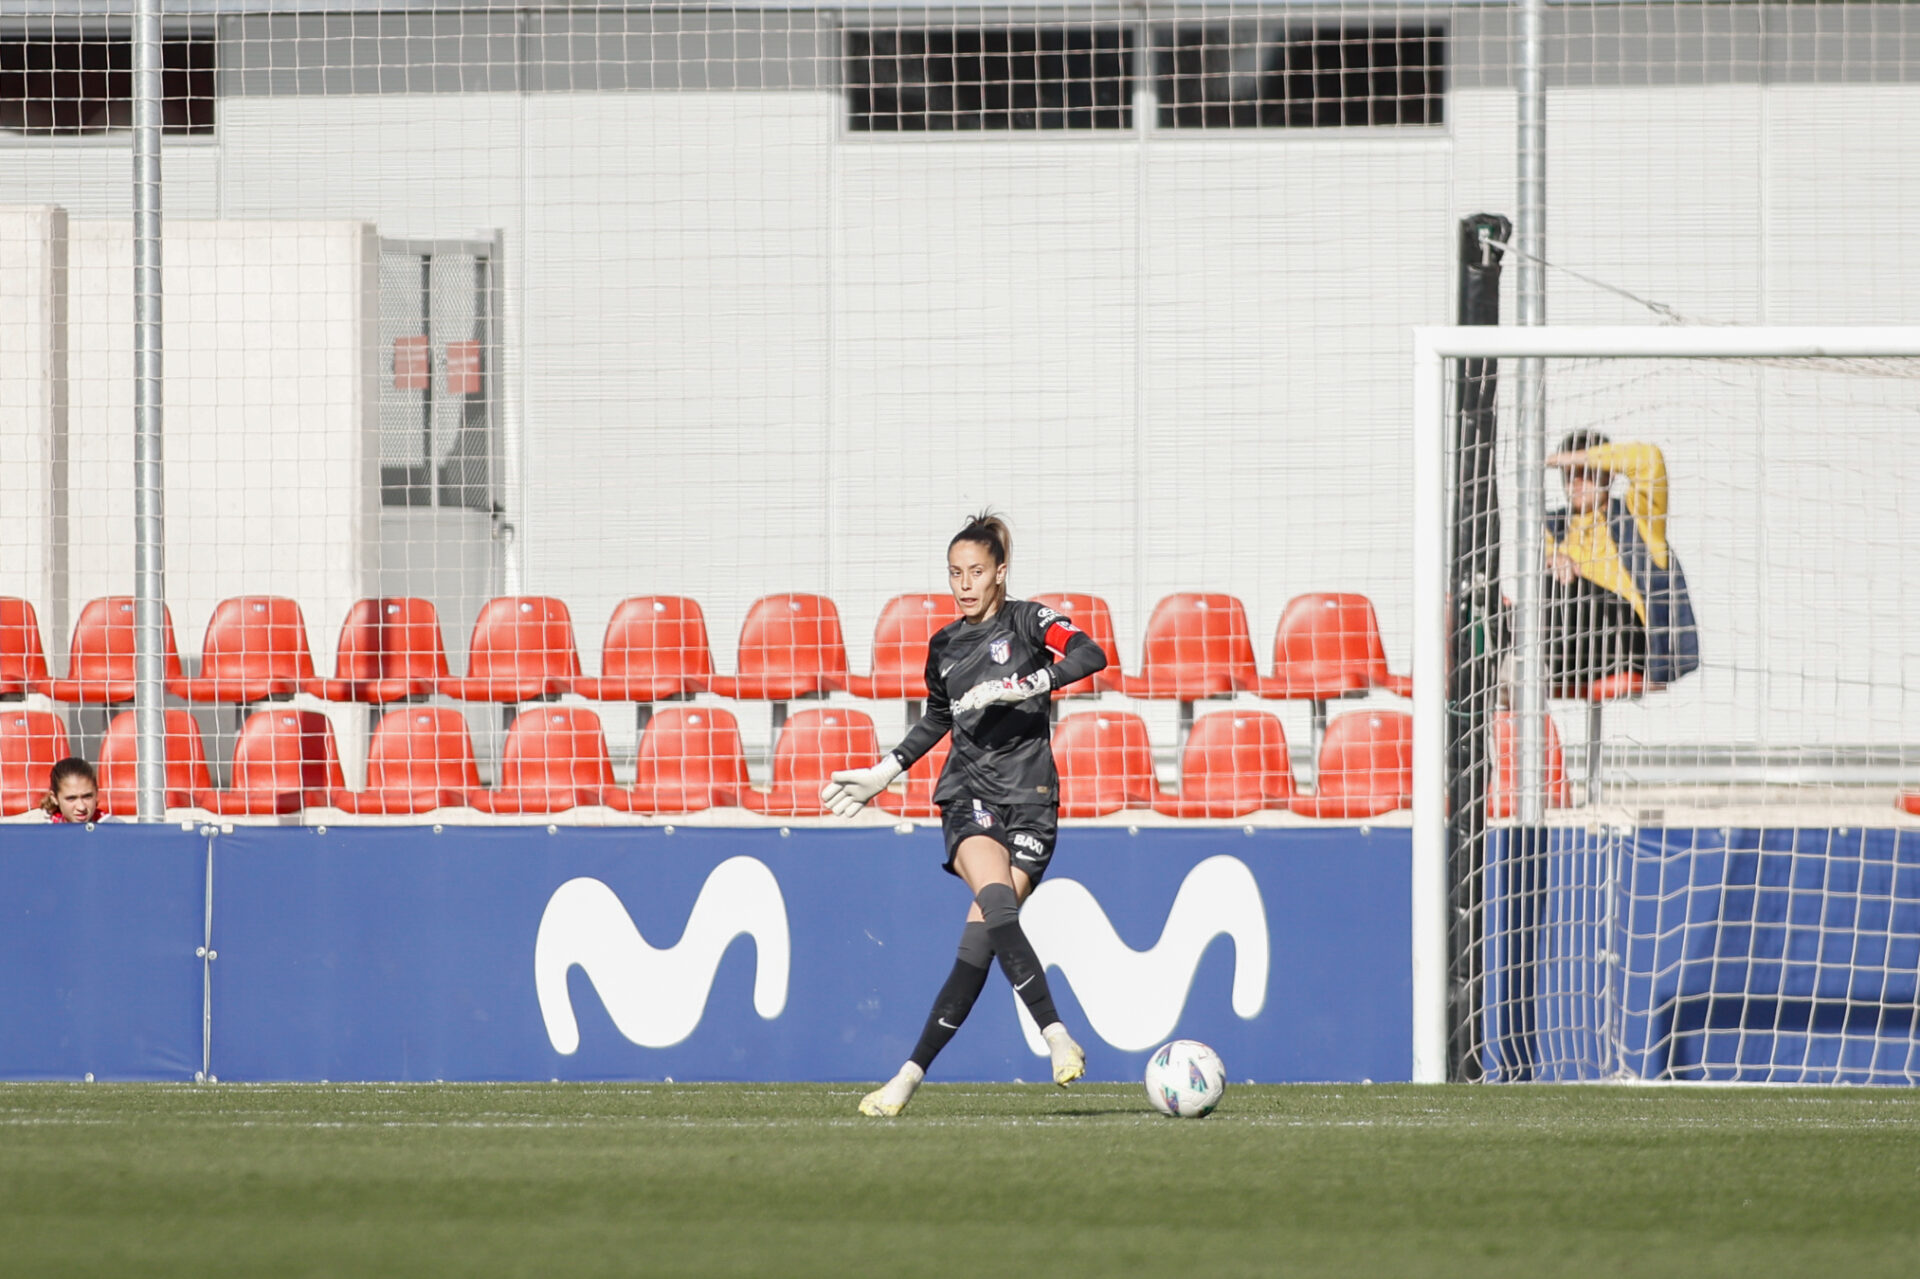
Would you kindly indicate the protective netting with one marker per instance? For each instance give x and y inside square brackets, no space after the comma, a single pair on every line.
[537,376]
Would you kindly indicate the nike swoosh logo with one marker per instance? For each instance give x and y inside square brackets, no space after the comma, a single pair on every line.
[944,1022]
[946,670]
[1023,985]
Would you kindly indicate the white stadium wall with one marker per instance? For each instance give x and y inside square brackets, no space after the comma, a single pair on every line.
[745,350]
[268,378]
[269,393]
[33,403]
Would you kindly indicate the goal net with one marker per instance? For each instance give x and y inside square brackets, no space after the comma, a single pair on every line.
[1674,636]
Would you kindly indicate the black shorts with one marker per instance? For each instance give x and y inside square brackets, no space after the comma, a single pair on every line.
[1026,831]
[1589,633]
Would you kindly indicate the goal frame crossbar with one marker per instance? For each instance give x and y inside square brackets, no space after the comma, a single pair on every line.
[1433,349]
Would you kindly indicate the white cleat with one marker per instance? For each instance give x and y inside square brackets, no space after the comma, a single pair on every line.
[1069,1063]
[892,1097]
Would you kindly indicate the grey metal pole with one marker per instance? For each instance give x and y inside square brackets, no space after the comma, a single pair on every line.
[1529,224]
[149,560]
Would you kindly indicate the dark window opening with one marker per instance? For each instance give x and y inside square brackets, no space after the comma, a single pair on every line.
[438,391]
[72,85]
[974,79]
[1245,75]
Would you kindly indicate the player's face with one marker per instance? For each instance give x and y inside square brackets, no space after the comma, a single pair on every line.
[78,799]
[974,579]
[1586,490]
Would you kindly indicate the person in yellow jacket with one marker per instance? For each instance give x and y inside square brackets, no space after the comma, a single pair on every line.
[1616,597]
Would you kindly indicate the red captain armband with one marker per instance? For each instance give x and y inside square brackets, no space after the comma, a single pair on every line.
[1059,633]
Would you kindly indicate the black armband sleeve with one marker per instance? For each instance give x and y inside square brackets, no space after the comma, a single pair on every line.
[1082,658]
[925,735]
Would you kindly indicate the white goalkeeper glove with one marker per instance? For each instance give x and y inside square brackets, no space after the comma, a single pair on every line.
[995,691]
[851,788]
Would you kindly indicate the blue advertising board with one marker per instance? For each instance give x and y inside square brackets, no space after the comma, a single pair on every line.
[100,939]
[1736,955]
[409,953]
[514,953]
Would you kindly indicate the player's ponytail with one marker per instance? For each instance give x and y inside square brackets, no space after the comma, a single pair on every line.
[989,530]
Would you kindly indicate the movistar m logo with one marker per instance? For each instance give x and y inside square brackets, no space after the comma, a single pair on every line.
[656,997]
[1134,998]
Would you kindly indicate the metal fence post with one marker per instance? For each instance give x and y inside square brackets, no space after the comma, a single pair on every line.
[149,517]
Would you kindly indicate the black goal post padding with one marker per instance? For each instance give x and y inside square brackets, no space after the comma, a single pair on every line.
[1473,587]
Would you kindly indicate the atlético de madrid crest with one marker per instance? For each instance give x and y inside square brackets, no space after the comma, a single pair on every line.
[1000,650]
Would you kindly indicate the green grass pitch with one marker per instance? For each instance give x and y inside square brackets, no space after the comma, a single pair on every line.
[977,1181]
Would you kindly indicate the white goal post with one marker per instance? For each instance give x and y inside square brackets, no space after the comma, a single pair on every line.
[1434,349]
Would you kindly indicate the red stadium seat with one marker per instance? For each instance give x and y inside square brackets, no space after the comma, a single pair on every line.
[790,646]
[555,759]
[390,651]
[656,649]
[900,640]
[690,759]
[1196,646]
[1365,767]
[420,759]
[813,745]
[255,648]
[1091,614]
[1235,763]
[31,743]
[1909,801]
[186,771]
[922,780]
[1329,646]
[1624,686]
[1613,688]
[1105,763]
[522,650]
[100,659]
[1501,796]
[23,662]
[283,761]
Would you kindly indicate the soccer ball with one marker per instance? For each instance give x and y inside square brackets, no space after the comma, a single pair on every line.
[1185,1079]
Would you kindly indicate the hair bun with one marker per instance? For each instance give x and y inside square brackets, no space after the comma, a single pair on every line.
[991,531]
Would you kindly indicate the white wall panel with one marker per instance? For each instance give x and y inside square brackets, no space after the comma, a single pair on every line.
[269,423]
[93,177]
[33,410]
[1285,275]
[986,333]
[676,350]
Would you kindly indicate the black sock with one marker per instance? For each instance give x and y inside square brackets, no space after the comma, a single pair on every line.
[955,1000]
[1017,958]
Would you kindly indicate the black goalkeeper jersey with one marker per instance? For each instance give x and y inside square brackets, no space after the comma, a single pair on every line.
[1004,753]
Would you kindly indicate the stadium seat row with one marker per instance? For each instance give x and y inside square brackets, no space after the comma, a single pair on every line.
[691,758]
[656,648]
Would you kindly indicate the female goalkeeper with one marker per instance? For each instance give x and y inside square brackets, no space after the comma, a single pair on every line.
[999,795]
